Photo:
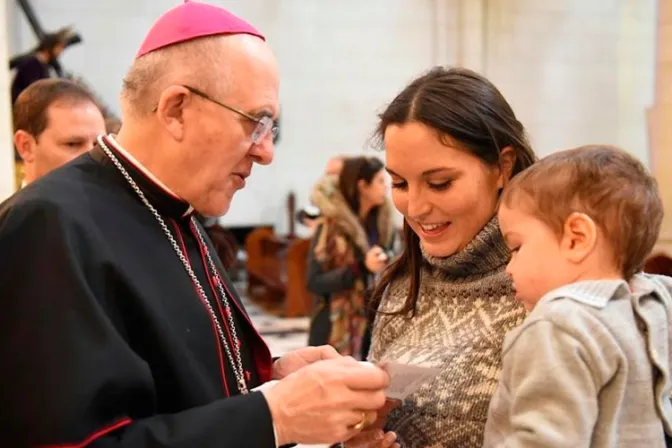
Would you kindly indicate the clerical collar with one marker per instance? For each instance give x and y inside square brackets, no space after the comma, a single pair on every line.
[161,197]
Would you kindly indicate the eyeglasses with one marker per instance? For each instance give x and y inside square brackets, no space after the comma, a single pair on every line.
[265,125]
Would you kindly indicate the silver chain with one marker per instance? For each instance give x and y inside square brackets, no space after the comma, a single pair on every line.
[237,363]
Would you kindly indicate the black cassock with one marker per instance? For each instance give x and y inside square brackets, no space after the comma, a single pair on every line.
[103,336]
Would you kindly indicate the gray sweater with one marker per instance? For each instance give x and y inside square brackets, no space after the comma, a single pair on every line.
[465,307]
[590,366]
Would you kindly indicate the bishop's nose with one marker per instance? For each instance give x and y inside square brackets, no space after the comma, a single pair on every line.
[263,152]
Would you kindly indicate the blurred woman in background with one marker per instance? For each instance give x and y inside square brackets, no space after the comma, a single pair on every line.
[350,245]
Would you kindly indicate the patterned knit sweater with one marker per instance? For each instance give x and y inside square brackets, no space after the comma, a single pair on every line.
[466,305]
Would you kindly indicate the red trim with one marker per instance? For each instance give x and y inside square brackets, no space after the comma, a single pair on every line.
[95,436]
[262,358]
[212,320]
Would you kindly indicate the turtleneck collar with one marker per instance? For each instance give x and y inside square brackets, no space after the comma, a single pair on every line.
[159,195]
[486,253]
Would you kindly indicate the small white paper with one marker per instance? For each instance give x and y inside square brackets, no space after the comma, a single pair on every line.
[406,378]
[265,386]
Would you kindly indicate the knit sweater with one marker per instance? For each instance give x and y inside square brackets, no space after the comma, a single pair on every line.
[590,366]
[465,307]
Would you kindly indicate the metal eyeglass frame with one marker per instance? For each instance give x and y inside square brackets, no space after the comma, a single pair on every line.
[264,124]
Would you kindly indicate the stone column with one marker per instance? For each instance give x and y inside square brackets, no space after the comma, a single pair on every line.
[7,181]
[660,120]
[470,44]
[636,56]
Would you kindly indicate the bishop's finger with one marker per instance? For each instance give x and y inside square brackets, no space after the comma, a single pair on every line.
[365,377]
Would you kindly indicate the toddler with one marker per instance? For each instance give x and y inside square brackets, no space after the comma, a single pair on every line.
[590,366]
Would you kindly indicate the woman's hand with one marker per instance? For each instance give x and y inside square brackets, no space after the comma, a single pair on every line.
[375,259]
[373,438]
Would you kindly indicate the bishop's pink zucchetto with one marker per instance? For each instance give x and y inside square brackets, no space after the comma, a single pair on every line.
[192,20]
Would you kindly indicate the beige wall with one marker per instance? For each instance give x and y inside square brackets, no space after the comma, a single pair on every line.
[6,151]
[575,71]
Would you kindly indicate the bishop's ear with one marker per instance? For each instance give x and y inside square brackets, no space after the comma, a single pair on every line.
[579,237]
[170,110]
[25,145]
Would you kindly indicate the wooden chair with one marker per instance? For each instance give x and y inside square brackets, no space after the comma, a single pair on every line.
[265,270]
[276,267]
[276,272]
[298,301]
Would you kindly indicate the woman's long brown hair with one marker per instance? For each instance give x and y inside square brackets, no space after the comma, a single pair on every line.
[464,106]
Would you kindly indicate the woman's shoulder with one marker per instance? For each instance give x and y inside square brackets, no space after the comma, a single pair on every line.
[395,293]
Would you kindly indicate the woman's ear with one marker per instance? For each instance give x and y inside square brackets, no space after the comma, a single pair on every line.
[507,160]
[361,186]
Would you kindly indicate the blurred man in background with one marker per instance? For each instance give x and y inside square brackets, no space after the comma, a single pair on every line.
[54,121]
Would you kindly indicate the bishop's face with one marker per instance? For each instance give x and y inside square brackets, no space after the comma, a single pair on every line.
[224,143]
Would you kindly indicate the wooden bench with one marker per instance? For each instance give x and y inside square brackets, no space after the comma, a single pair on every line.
[265,282]
[276,271]
[276,267]
[298,300]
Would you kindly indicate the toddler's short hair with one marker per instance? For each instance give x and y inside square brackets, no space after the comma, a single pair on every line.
[604,182]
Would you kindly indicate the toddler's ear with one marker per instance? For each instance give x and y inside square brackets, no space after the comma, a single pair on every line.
[579,237]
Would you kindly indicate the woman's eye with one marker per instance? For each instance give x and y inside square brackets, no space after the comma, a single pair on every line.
[399,185]
[440,186]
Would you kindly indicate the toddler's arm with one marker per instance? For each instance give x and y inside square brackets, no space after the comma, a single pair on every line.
[547,394]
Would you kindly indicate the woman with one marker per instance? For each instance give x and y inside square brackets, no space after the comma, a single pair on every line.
[451,144]
[348,248]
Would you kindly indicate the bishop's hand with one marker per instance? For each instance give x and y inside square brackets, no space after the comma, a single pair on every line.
[374,436]
[327,401]
[298,359]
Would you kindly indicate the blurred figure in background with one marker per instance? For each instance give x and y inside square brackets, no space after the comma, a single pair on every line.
[35,65]
[334,166]
[55,120]
[349,247]
[309,215]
